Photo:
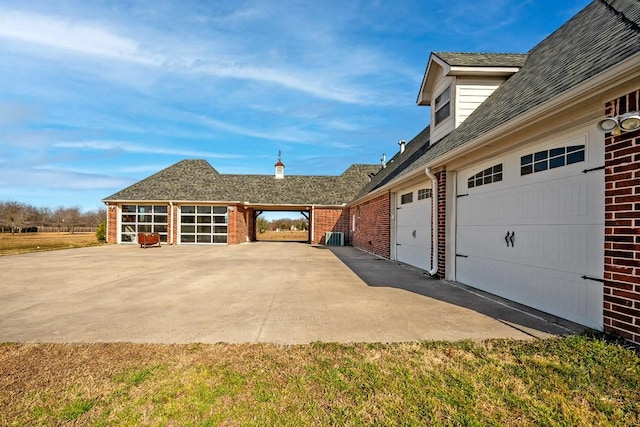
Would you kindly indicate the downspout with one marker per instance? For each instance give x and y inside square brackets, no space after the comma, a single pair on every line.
[434,221]
[171,223]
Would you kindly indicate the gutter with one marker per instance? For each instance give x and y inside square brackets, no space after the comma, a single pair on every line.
[434,222]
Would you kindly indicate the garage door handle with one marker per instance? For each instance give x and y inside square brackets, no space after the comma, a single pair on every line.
[509,238]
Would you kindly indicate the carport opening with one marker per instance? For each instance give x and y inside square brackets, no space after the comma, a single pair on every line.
[282,226]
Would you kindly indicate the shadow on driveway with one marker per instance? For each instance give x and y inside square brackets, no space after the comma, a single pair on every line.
[380,272]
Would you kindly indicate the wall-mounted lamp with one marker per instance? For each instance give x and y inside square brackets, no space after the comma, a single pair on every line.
[622,123]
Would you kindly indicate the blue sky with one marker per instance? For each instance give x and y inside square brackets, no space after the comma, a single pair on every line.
[97,95]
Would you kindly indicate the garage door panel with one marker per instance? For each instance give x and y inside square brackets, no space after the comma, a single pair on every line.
[557,220]
[413,230]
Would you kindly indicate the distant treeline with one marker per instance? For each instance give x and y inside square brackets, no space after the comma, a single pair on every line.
[16,217]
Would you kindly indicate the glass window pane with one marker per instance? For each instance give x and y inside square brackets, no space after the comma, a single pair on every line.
[188,209]
[220,229]
[160,219]
[575,148]
[541,155]
[557,152]
[540,166]
[204,220]
[471,183]
[127,238]
[526,170]
[575,157]
[497,168]
[128,208]
[188,229]
[497,177]
[144,228]
[220,210]
[487,179]
[160,209]
[442,113]
[220,219]
[144,218]
[158,228]
[204,229]
[204,209]
[487,171]
[525,160]
[188,219]
[144,209]
[219,239]
[128,218]
[129,228]
[187,238]
[478,181]
[163,238]
[556,162]
[202,238]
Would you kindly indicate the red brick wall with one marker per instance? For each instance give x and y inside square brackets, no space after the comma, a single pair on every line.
[329,219]
[112,224]
[373,225]
[237,225]
[442,217]
[622,226]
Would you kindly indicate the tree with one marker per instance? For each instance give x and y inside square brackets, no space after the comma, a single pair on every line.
[101,231]
[262,225]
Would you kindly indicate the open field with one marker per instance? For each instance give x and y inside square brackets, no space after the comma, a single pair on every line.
[573,381]
[297,236]
[20,243]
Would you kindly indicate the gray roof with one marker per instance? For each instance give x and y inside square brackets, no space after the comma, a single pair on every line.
[197,180]
[413,150]
[602,35]
[471,59]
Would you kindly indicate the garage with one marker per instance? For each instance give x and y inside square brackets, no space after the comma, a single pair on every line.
[530,226]
[413,226]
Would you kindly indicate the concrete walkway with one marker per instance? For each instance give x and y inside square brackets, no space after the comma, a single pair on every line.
[261,292]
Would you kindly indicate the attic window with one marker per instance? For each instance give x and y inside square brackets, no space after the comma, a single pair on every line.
[442,106]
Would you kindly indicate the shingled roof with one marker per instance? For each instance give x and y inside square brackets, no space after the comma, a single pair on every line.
[197,180]
[471,59]
[602,35]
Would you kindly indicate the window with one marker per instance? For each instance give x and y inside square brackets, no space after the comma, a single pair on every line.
[424,193]
[442,106]
[551,159]
[406,198]
[203,224]
[136,219]
[487,176]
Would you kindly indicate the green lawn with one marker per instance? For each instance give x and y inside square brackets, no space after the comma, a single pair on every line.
[559,382]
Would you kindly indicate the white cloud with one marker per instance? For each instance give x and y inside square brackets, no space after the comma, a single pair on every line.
[136,148]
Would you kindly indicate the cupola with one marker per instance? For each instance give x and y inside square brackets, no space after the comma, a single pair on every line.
[279,167]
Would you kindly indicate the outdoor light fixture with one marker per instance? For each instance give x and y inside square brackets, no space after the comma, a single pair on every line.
[630,121]
[622,123]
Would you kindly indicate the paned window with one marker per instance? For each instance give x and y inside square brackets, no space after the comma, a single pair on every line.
[424,193]
[487,176]
[203,224]
[551,159]
[442,106]
[406,198]
[136,219]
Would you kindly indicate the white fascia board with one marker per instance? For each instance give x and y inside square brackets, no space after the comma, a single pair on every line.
[424,95]
[483,71]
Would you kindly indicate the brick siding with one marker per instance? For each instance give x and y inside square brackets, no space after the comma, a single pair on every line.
[112,224]
[622,226]
[373,226]
[329,219]
[237,224]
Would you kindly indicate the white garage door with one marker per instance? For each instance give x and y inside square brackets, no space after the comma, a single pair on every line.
[530,227]
[413,227]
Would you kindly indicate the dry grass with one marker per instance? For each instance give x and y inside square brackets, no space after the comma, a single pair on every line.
[291,236]
[21,243]
[573,381]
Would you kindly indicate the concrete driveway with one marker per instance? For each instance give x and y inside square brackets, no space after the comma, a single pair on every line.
[284,293]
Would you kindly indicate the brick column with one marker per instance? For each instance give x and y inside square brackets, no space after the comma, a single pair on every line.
[622,226]
[112,224]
